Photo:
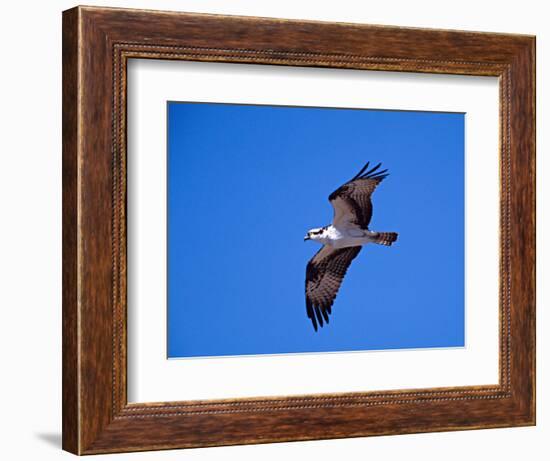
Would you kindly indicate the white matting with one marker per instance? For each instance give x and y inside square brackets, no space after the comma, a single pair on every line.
[152,377]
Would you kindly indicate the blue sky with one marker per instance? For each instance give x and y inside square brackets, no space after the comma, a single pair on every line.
[246,182]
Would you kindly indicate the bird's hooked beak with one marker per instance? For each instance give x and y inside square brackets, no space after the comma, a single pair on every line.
[307,237]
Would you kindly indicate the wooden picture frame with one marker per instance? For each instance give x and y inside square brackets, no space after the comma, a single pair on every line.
[97,43]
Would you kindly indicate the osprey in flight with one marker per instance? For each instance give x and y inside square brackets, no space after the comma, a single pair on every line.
[342,241]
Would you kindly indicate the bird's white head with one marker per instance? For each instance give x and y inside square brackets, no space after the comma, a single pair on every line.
[317,234]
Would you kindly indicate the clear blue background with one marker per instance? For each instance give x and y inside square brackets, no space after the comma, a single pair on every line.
[245,183]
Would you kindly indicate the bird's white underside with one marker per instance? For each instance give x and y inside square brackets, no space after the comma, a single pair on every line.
[342,237]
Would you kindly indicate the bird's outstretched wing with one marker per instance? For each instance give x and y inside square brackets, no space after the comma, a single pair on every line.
[324,275]
[351,201]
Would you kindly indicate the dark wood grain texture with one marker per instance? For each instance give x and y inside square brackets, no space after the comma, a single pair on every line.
[70,384]
[97,42]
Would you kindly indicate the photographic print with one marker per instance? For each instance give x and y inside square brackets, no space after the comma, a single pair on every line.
[313,229]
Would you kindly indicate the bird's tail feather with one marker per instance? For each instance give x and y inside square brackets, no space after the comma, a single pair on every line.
[385,238]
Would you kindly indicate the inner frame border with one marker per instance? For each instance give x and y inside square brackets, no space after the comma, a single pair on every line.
[124,51]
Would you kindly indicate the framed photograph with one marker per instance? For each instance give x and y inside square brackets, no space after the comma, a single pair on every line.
[281,230]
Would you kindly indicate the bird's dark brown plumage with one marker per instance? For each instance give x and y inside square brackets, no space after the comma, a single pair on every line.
[355,195]
[324,275]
